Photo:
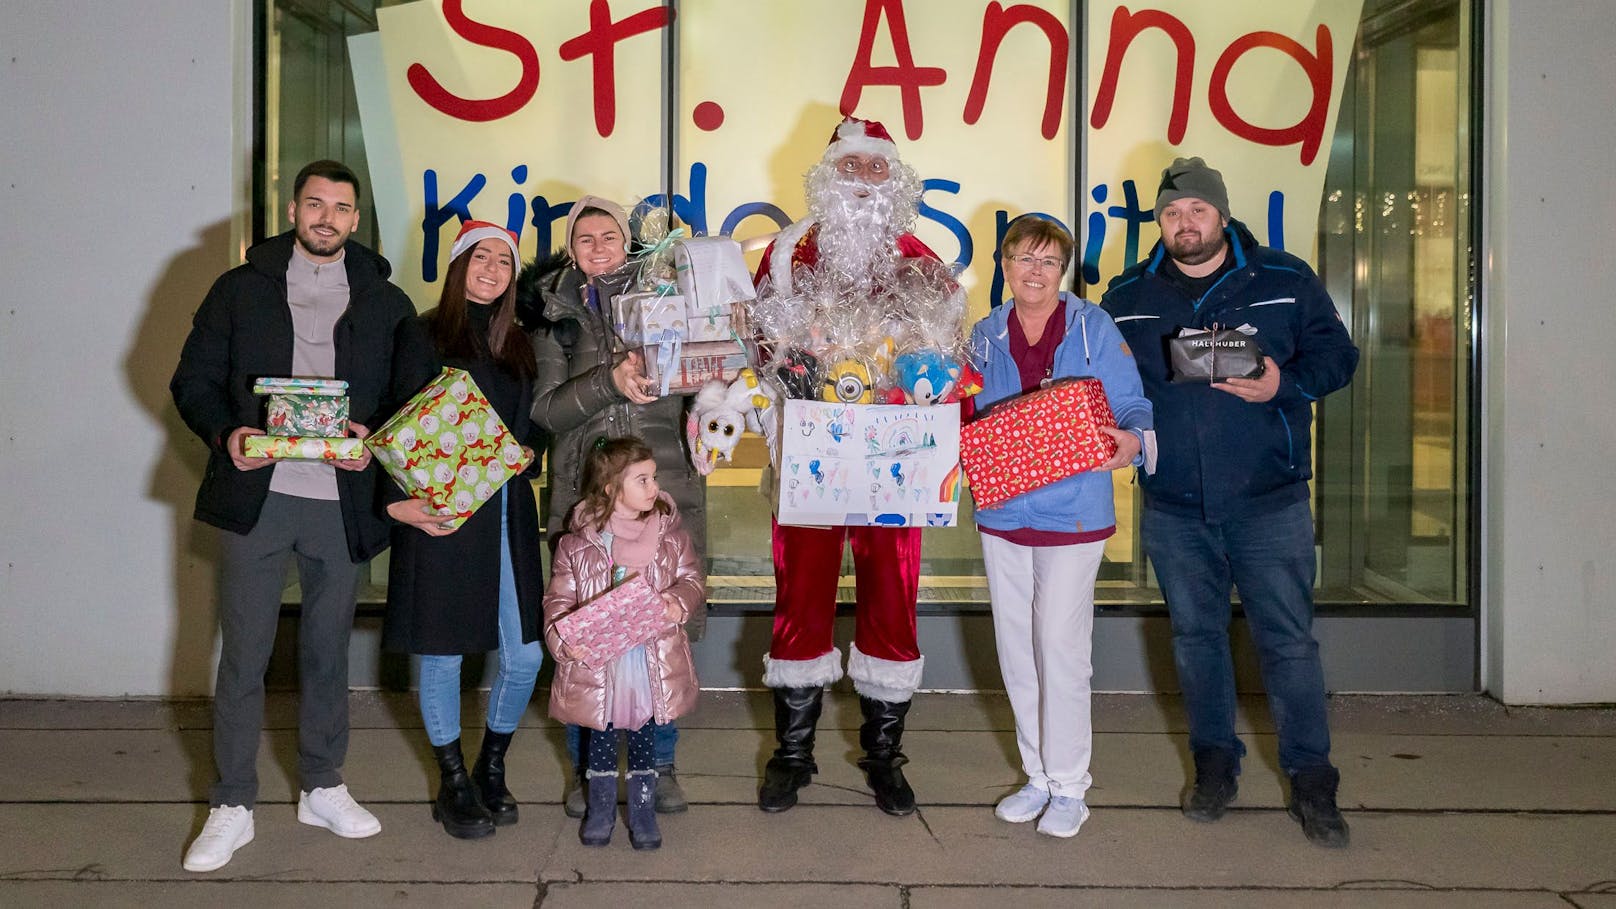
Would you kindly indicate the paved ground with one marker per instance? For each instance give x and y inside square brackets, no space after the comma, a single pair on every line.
[1453,801]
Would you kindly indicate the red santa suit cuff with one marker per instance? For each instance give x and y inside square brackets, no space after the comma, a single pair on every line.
[883,680]
[817,672]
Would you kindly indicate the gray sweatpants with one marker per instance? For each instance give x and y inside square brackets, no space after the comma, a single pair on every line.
[254,571]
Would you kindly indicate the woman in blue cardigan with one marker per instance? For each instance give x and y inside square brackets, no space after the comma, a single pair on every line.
[1042,549]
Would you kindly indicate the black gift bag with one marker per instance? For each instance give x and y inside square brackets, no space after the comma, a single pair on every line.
[1214,354]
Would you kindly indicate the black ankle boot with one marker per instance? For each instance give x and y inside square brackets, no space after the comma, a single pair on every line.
[489,775]
[796,714]
[458,806]
[1313,806]
[881,737]
[1215,785]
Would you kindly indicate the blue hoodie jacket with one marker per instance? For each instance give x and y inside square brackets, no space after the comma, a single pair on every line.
[1219,457]
[1092,347]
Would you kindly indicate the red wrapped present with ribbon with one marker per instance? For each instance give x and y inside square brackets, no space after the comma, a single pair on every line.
[1024,443]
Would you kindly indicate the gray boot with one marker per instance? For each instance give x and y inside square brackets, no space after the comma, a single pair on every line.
[600,814]
[670,796]
[643,832]
[573,802]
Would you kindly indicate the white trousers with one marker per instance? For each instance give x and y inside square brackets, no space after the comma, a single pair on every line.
[1043,625]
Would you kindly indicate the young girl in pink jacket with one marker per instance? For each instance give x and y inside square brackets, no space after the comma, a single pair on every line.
[623,526]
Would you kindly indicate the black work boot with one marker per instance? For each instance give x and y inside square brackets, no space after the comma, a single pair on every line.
[796,714]
[600,812]
[458,806]
[1313,805]
[643,832]
[1215,786]
[489,775]
[881,737]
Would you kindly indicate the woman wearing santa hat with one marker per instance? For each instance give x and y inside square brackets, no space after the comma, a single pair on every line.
[589,388]
[478,587]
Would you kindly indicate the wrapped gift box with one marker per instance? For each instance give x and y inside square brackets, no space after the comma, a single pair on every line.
[644,318]
[303,448]
[613,623]
[880,465]
[291,386]
[305,407]
[678,367]
[1031,441]
[716,285]
[641,317]
[325,416]
[448,446]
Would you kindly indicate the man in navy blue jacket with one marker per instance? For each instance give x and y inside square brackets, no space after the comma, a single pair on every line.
[1228,504]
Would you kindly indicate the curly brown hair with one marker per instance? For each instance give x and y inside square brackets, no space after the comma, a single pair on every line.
[604,466]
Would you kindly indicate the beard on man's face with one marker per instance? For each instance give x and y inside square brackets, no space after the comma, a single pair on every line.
[1191,247]
[859,222]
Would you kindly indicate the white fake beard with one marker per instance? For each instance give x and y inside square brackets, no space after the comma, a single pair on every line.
[858,234]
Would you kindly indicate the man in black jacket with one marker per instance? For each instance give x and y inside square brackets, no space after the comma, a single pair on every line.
[307,303]
[1228,502]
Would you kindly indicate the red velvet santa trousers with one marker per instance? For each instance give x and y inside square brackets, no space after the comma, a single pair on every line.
[807,567]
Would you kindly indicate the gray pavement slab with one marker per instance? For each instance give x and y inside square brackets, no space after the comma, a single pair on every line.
[722,766]
[1129,848]
[147,842]
[615,895]
[1349,898]
[210,894]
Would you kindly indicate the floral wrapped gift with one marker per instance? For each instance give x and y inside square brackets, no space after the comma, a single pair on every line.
[1031,441]
[303,448]
[449,447]
[610,625]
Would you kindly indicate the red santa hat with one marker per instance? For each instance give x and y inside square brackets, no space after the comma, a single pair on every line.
[860,137]
[474,232]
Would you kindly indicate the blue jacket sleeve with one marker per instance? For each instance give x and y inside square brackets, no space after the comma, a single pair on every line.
[1116,370]
[1325,356]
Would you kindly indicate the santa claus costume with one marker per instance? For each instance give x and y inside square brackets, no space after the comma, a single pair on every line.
[885,661]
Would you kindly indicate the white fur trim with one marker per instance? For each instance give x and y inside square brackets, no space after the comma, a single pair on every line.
[478,234]
[852,139]
[885,680]
[785,247]
[821,670]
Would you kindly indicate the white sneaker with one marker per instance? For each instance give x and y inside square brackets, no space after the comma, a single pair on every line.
[335,810]
[1064,816]
[229,827]
[1023,805]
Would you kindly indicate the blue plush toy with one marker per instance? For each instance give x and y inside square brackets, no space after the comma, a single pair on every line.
[927,375]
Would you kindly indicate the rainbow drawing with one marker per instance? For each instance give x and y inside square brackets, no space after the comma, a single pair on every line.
[950,489]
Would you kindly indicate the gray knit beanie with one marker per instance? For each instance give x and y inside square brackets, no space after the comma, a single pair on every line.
[1191,178]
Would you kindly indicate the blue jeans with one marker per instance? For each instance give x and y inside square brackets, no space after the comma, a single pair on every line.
[666,735]
[518,663]
[1269,557]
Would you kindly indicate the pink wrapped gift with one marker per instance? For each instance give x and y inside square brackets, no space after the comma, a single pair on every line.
[613,623]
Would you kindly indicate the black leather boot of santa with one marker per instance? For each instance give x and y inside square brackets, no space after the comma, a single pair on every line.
[881,737]
[796,714]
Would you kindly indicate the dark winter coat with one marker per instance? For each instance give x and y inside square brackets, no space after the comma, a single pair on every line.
[1219,457]
[575,400]
[243,332]
[443,592]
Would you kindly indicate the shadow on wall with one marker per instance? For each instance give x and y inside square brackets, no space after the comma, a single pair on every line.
[149,364]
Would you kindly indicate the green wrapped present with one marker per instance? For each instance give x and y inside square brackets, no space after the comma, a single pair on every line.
[303,448]
[449,447]
[325,416]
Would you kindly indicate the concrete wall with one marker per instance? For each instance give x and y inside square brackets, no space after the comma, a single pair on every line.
[1550,343]
[120,180]
[124,172]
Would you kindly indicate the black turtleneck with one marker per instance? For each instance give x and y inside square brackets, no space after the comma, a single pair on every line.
[504,390]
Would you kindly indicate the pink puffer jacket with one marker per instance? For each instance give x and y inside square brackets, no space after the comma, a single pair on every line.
[582,571]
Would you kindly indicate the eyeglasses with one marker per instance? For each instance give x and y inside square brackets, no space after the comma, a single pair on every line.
[1029,262]
[871,168]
